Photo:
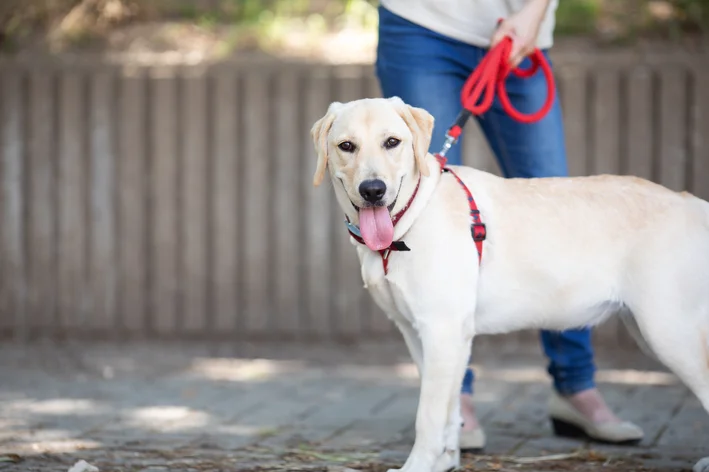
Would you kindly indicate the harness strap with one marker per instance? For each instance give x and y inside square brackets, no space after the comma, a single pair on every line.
[478,230]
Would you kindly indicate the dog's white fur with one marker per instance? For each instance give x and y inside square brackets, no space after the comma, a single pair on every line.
[560,253]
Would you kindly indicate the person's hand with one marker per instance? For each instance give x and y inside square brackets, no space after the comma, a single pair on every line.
[523,28]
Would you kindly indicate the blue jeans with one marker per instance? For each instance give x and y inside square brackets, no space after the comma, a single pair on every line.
[428,70]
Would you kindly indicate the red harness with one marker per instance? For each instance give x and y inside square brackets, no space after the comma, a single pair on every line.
[477,228]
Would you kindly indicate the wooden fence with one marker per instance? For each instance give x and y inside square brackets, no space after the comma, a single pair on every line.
[177,202]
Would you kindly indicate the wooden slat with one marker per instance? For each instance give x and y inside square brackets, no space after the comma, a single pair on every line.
[288,204]
[132,201]
[41,276]
[699,140]
[606,137]
[102,272]
[640,116]
[348,284]
[72,200]
[14,272]
[226,242]
[318,217]
[672,115]
[573,106]
[256,204]
[193,191]
[163,196]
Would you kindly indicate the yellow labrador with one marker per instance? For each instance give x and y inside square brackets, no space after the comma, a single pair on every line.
[560,253]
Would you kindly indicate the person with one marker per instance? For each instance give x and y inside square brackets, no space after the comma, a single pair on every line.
[425,52]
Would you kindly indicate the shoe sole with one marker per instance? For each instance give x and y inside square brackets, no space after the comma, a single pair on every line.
[472,450]
[569,430]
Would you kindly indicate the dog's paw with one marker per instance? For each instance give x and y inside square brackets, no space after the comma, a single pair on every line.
[449,460]
[415,466]
[702,465]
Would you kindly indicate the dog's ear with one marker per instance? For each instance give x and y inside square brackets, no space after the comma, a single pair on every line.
[319,133]
[420,122]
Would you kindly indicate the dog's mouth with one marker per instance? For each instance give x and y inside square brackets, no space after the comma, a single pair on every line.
[375,222]
[390,207]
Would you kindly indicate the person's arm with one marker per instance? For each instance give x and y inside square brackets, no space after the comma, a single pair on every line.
[523,28]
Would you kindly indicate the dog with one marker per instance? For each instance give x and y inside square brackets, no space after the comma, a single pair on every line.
[558,253]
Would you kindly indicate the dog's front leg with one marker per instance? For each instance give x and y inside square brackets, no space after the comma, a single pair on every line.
[451,456]
[445,351]
[413,342]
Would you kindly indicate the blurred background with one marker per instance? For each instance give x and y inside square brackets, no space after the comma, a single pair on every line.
[155,157]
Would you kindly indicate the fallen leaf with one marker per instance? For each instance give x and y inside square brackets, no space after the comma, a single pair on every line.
[14,458]
[551,457]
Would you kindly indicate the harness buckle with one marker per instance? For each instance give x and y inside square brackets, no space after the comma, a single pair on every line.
[479,231]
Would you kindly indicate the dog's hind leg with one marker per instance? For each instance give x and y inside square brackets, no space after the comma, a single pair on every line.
[702,392]
[681,343]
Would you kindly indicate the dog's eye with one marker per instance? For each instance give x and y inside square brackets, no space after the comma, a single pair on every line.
[391,143]
[347,146]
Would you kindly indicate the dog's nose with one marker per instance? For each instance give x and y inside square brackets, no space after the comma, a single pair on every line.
[372,190]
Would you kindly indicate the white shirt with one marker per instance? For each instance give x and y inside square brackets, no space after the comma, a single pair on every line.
[469,21]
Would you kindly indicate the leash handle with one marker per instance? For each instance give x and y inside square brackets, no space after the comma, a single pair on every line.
[538,61]
[478,93]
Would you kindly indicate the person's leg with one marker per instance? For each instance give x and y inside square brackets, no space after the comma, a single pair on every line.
[538,150]
[424,69]
[428,70]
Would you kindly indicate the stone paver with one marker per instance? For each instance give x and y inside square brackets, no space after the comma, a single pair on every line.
[196,407]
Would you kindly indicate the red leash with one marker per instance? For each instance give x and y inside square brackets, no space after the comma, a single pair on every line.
[489,77]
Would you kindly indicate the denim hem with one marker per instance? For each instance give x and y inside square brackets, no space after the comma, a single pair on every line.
[571,388]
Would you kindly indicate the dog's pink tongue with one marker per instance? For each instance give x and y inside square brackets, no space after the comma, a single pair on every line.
[376,227]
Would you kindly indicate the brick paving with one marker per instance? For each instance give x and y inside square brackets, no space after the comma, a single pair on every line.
[197,407]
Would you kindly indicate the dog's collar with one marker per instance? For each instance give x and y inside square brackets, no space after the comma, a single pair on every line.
[477,228]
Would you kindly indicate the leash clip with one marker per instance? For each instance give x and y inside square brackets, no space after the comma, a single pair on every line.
[447,145]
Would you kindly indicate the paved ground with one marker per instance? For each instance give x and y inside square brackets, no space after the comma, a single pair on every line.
[187,407]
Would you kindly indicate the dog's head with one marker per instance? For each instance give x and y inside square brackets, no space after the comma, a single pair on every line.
[371,147]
